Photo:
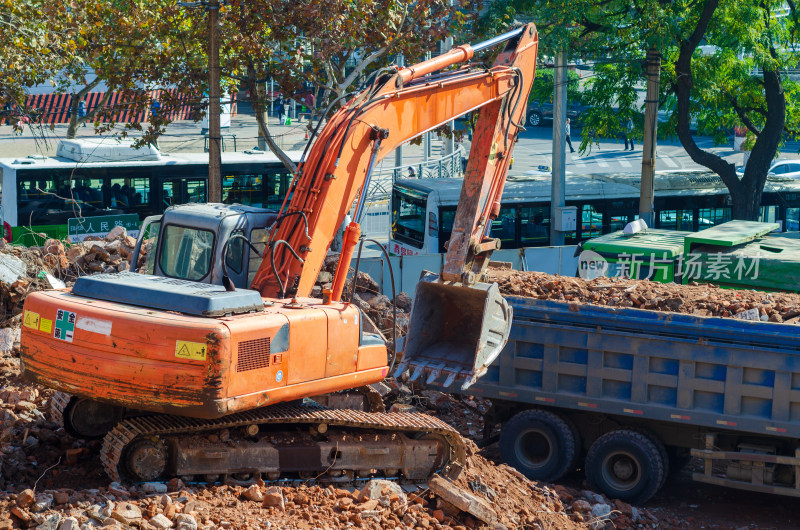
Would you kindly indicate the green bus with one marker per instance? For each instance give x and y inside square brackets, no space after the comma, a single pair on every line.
[112,181]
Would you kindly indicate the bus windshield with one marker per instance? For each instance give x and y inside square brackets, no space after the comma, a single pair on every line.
[408,216]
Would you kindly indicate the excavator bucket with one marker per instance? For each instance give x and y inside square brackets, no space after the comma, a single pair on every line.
[454,331]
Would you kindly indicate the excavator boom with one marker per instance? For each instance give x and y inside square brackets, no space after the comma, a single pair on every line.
[398,107]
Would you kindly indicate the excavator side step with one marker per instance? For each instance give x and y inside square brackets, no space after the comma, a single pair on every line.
[335,442]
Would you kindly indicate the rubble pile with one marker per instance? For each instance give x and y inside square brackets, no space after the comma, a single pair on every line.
[55,265]
[693,299]
[377,504]
[111,253]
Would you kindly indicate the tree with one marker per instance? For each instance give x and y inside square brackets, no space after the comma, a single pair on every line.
[33,46]
[325,56]
[715,87]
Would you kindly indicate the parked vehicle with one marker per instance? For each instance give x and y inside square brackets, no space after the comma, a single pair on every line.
[787,168]
[735,254]
[540,111]
[631,395]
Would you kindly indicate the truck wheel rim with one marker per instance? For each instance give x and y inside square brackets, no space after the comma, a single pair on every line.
[621,470]
[533,448]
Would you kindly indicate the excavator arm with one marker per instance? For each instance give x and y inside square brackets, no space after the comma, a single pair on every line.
[400,105]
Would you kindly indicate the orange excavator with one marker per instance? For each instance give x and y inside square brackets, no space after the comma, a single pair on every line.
[186,372]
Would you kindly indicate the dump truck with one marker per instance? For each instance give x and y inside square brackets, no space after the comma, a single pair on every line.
[630,395]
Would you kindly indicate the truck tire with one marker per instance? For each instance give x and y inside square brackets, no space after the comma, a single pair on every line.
[625,465]
[535,118]
[662,449]
[540,444]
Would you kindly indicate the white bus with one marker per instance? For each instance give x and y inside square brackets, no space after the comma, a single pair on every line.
[90,178]
[423,209]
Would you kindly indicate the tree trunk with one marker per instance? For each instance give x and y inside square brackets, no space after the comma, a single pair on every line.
[258,98]
[74,120]
[745,193]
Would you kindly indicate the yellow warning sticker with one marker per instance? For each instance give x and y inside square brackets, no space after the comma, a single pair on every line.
[46,325]
[190,350]
[31,319]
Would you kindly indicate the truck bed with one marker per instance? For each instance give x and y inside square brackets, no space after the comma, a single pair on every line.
[706,371]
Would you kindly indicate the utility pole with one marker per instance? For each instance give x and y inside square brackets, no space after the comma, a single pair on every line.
[214,133]
[398,152]
[449,143]
[262,142]
[647,190]
[559,146]
[426,138]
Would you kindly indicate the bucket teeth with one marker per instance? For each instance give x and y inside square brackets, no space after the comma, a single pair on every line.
[400,369]
[417,372]
[435,372]
[450,378]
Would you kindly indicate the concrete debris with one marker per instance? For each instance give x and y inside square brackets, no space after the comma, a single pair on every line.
[463,500]
[12,268]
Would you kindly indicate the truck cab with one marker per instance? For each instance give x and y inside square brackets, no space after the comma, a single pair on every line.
[188,241]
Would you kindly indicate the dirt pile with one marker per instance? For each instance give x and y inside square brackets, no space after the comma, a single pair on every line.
[694,299]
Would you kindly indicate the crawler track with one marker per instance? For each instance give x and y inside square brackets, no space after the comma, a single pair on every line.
[393,431]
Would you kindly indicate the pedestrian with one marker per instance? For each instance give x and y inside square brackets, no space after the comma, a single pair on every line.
[411,173]
[569,137]
[628,134]
[154,108]
[19,127]
[279,104]
[82,111]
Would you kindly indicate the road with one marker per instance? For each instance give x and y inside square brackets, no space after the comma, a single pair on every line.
[536,145]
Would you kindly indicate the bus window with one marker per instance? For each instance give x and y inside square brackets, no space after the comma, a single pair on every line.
[408,217]
[183,191]
[591,222]
[127,194]
[708,217]
[195,190]
[769,214]
[617,222]
[504,227]
[792,219]
[535,226]
[242,189]
[675,220]
[276,186]
[446,218]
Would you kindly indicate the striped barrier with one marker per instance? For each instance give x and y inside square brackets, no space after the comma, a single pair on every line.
[55,108]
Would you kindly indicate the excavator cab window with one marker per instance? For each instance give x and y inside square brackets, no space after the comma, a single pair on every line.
[186,252]
[150,243]
[234,257]
[258,237]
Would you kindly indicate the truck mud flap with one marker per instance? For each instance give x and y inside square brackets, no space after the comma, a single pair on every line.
[454,331]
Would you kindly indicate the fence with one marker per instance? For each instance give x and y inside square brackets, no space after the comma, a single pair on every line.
[54,108]
[407,269]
